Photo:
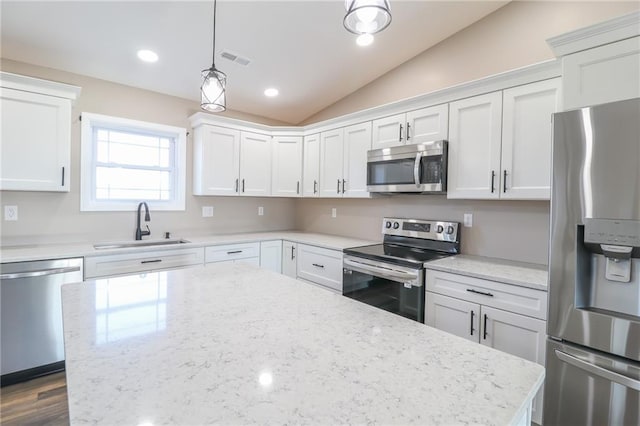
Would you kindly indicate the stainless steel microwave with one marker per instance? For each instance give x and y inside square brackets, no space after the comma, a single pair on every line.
[419,168]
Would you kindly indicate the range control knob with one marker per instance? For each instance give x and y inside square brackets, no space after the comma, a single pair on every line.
[439,229]
[387,225]
[449,230]
[396,225]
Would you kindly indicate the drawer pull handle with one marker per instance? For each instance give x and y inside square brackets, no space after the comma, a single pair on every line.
[470,290]
[151,261]
[234,252]
[318,265]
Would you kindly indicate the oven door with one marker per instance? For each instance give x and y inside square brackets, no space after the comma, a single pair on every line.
[394,288]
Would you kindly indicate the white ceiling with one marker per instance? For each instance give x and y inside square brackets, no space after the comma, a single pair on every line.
[300,47]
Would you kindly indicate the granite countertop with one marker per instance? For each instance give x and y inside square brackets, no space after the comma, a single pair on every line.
[518,273]
[22,253]
[234,344]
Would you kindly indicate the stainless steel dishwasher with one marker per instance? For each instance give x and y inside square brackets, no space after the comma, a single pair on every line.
[31,316]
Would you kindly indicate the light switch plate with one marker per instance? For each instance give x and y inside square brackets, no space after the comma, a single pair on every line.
[10,213]
[468,220]
[207,211]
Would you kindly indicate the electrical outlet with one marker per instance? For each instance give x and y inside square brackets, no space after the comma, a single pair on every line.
[10,213]
[334,212]
[468,220]
[260,211]
[207,211]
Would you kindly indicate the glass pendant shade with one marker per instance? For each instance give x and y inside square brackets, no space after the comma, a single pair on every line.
[367,16]
[214,85]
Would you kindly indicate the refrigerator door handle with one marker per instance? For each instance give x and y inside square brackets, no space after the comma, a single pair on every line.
[599,371]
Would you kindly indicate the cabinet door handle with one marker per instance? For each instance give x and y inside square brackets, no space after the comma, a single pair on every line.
[344,185]
[242,185]
[484,334]
[318,265]
[62,175]
[236,185]
[400,134]
[408,131]
[298,187]
[338,190]
[504,182]
[292,256]
[152,261]
[484,293]
[471,326]
[493,179]
[315,186]
[234,252]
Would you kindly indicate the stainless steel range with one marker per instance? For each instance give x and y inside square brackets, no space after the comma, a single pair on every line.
[390,275]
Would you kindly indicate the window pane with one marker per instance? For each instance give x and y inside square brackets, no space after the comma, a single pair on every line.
[132,184]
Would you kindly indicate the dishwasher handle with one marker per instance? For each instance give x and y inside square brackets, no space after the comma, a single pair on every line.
[40,273]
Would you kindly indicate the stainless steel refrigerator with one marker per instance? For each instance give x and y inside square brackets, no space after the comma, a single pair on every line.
[593,345]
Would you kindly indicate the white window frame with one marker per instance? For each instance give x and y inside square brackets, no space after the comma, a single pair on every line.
[88,200]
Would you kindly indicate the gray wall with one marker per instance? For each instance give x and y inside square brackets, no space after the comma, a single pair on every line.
[515,230]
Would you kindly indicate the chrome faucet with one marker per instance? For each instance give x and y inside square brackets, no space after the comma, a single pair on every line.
[139,232]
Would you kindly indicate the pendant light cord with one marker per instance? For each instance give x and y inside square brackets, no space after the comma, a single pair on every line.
[213,59]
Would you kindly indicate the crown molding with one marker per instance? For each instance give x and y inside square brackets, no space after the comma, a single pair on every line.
[620,28]
[529,74]
[40,86]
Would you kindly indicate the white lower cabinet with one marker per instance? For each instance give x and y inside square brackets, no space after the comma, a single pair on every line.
[146,261]
[246,252]
[321,266]
[271,255]
[289,259]
[473,314]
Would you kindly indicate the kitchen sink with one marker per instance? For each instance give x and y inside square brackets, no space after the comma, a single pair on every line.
[133,244]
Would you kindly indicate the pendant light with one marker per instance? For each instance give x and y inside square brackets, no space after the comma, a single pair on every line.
[214,83]
[367,16]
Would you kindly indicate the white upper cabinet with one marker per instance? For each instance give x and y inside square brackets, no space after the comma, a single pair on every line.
[500,143]
[255,164]
[287,166]
[357,141]
[231,162]
[311,166]
[36,134]
[216,161]
[423,125]
[603,74]
[343,161]
[526,140]
[474,147]
[331,163]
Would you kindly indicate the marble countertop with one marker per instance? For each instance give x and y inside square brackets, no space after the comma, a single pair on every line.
[22,253]
[234,344]
[518,273]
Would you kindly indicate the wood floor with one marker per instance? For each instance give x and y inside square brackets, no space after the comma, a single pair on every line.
[41,401]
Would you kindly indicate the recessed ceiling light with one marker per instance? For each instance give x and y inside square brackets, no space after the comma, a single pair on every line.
[271,92]
[147,55]
[364,39]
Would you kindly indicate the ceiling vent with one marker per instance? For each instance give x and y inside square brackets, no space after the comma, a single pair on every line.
[235,58]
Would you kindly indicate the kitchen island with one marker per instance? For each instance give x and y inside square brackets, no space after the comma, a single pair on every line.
[234,344]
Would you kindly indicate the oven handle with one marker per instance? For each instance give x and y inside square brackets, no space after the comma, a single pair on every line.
[416,169]
[390,274]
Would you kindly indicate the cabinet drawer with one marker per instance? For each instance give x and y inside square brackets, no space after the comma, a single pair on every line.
[521,300]
[321,266]
[119,264]
[231,252]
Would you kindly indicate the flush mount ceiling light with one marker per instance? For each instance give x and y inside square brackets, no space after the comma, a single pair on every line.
[367,16]
[271,92]
[147,55]
[214,83]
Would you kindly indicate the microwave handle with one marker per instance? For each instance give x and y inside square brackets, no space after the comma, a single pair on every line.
[416,169]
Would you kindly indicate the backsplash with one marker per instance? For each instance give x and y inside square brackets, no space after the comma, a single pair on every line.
[514,230]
